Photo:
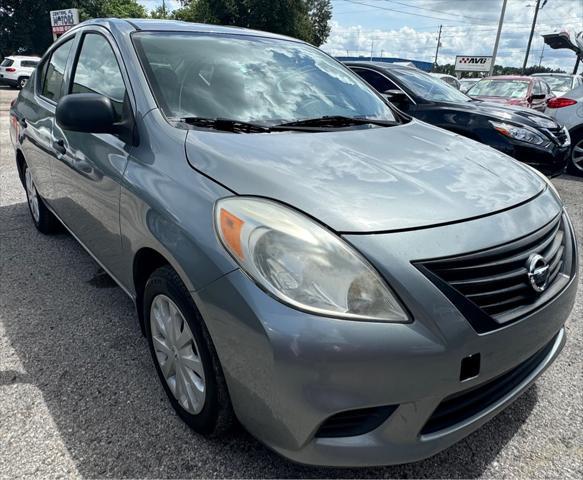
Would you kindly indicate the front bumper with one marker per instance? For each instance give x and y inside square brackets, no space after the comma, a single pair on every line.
[551,159]
[4,80]
[288,372]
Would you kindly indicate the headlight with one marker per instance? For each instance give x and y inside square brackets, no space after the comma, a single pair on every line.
[302,263]
[519,133]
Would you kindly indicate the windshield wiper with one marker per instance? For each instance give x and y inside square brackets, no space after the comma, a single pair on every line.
[224,124]
[336,121]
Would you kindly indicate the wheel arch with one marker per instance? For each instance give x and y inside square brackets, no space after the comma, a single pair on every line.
[20,163]
[146,261]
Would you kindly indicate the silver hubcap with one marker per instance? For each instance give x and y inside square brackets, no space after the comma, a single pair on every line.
[577,155]
[177,354]
[32,196]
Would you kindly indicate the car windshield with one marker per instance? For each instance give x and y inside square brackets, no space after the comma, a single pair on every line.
[561,84]
[427,87]
[7,62]
[251,79]
[499,88]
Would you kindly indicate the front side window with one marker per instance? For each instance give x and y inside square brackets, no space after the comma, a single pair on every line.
[500,88]
[97,71]
[55,71]
[427,87]
[251,79]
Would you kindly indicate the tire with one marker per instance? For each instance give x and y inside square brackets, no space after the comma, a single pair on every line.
[213,414]
[43,219]
[576,155]
[21,83]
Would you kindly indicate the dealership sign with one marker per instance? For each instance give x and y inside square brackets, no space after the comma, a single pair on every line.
[63,20]
[465,63]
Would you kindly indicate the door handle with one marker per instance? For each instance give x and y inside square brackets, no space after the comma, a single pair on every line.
[59,146]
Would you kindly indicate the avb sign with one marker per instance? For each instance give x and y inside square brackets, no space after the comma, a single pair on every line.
[63,20]
[465,63]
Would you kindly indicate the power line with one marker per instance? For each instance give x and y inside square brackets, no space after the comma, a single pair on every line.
[398,11]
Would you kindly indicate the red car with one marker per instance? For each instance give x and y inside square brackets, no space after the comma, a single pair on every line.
[516,90]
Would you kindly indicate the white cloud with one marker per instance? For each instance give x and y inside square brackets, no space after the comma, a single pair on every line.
[472,30]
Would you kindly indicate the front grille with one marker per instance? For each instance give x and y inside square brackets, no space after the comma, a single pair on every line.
[492,287]
[463,405]
[560,135]
[355,422]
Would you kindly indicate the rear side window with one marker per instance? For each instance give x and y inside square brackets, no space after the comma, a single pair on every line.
[97,71]
[55,71]
[7,62]
[28,64]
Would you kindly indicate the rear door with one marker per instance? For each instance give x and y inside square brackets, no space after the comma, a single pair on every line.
[35,115]
[88,167]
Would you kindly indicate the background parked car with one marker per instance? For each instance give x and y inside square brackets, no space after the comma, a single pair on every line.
[16,70]
[522,133]
[467,83]
[515,90]
[560,83]
[568,111]
[449,79]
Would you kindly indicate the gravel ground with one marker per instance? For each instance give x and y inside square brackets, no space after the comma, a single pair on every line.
[79,396]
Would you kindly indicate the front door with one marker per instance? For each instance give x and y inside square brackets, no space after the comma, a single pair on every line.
[88,168]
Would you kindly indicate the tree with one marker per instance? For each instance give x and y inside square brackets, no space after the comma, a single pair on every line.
[320,12]
[110,8]
[25,25]
[304,19]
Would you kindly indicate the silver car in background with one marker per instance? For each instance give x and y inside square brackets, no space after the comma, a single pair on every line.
[568,111]
[355,286]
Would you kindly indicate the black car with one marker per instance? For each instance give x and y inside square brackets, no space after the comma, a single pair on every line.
[526,135]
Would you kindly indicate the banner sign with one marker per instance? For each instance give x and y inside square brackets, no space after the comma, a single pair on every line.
[63,20]
[464,63]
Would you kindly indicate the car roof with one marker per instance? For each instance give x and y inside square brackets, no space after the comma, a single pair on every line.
[155,25]
[21,57]
[509,77]
[552,75]
[385,65]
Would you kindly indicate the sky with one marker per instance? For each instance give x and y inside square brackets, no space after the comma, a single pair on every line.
[408,29]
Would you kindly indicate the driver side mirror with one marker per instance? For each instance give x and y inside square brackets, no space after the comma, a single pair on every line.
[395,95]
[86,112]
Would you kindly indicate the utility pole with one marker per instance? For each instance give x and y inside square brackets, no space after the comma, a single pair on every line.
[371,47]
[437,48]
[542,52]
[537,7]
[497,42]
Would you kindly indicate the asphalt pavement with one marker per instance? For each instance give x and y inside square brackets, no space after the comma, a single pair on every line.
[79,396]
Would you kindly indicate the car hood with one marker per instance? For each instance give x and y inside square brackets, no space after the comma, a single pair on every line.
[367,180]
[505,112]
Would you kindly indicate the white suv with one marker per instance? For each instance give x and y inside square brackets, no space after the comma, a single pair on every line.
[16,70]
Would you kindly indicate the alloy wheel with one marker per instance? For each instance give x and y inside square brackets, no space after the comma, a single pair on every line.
[32,195]
[577,155]
[177,354]
[22,83]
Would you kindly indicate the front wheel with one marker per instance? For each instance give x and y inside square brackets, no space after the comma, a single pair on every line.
[576,160]
[43,218]
[21,83]
[184,355]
